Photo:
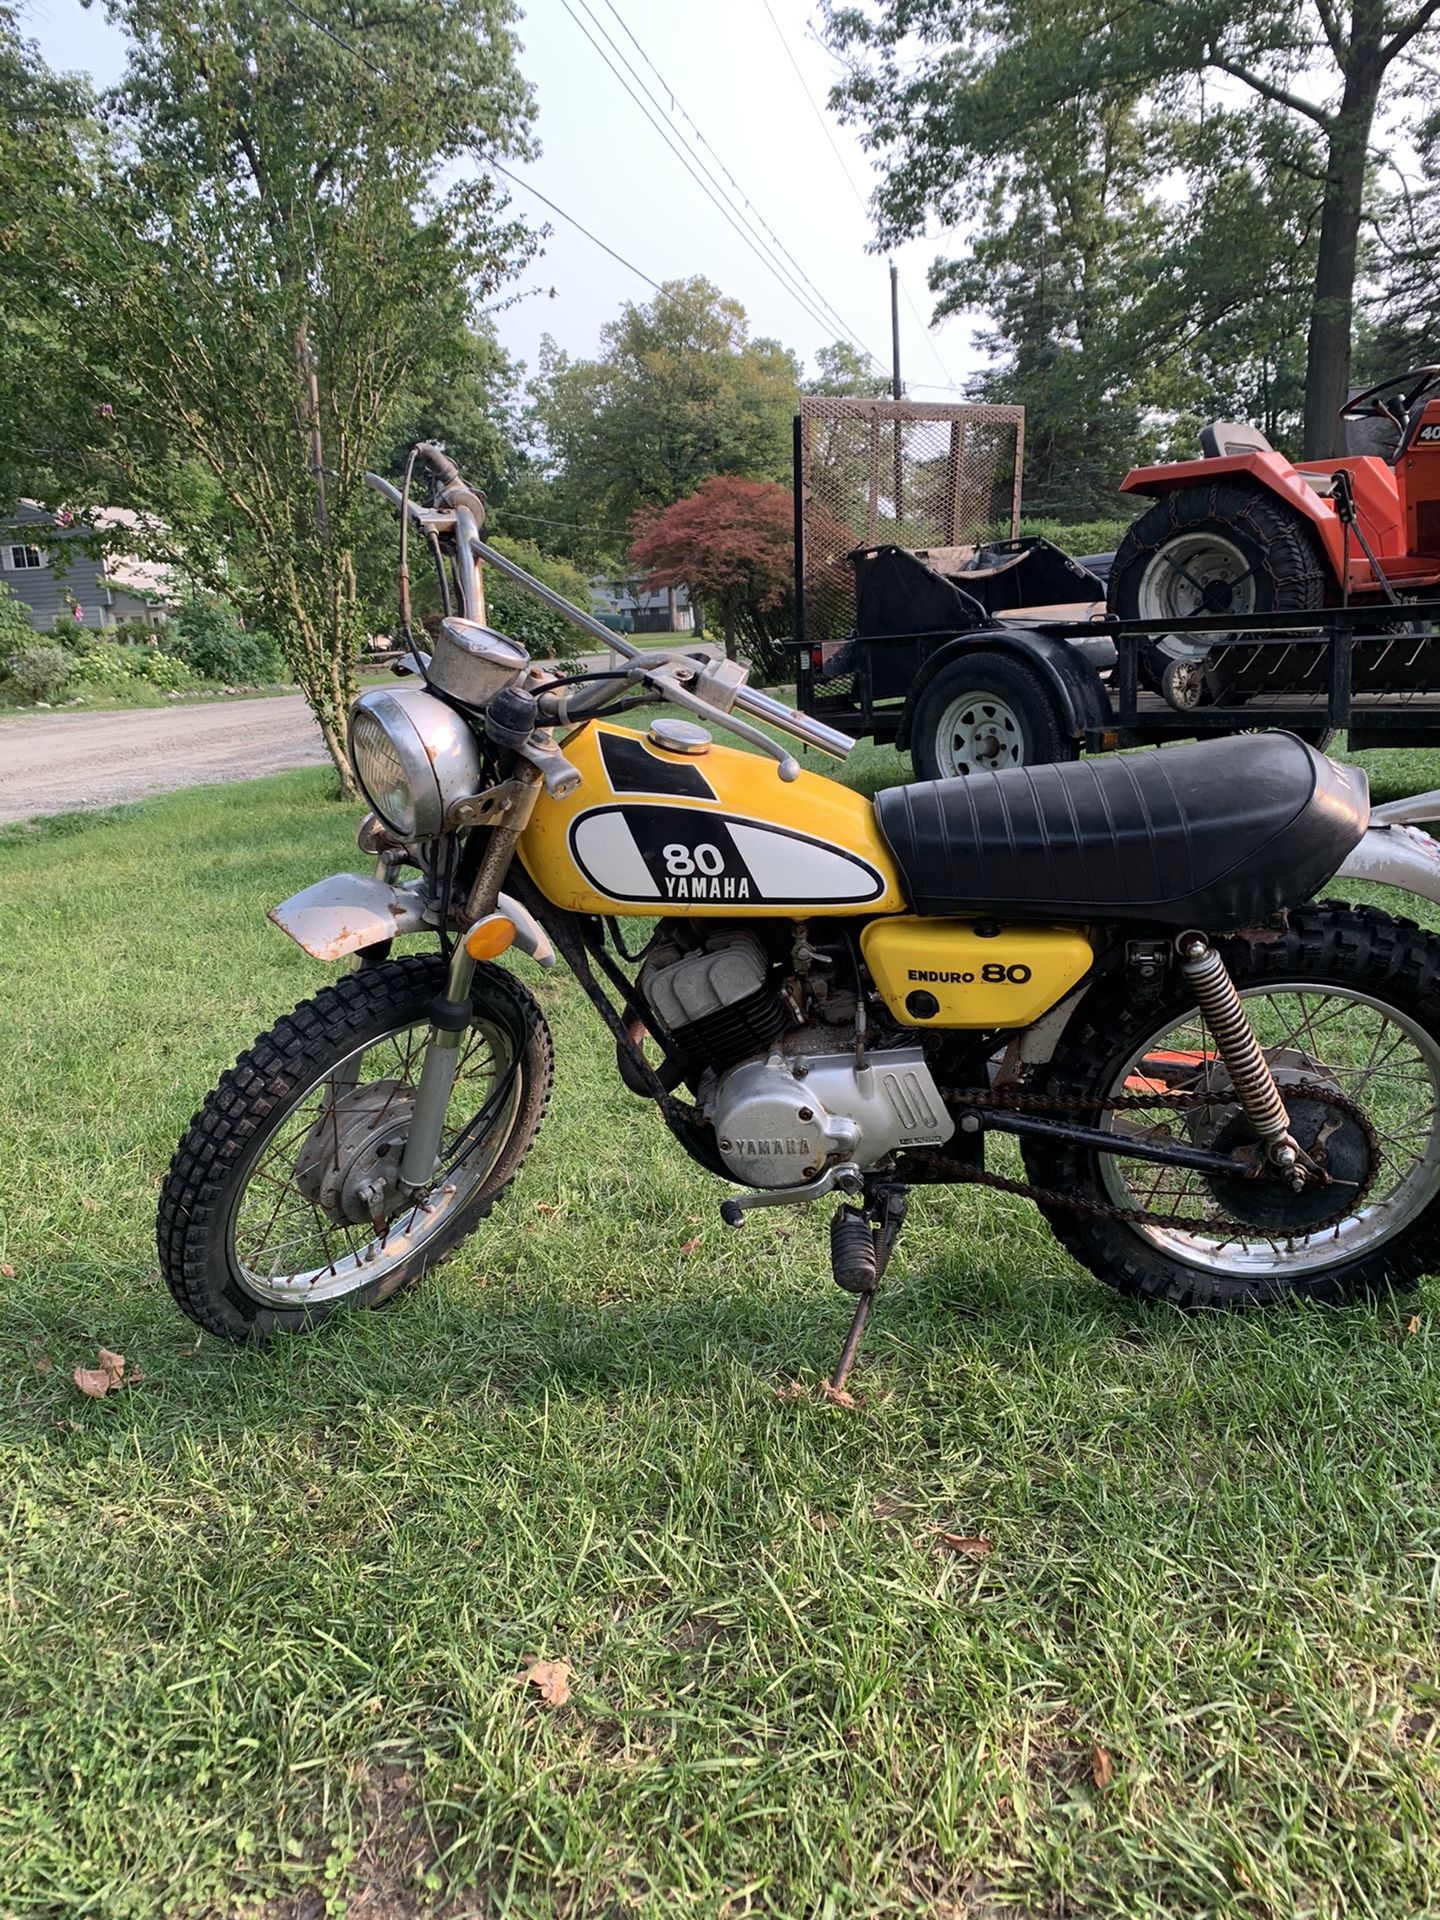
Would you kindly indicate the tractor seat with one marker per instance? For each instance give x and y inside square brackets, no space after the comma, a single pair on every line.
[1222,438]
[1217,835]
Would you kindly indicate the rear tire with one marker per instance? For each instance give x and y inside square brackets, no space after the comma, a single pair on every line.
[1214,533]
[1359,957]
[982,713]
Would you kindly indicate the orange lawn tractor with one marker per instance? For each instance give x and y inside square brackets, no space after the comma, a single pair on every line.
[1243,530]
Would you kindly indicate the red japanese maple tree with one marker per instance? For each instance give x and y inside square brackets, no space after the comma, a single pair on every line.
[731,545]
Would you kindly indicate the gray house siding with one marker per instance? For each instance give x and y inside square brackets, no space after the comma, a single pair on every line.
[71,577]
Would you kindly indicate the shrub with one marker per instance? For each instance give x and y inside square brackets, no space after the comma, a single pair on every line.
[207,635]
[16,632]
[41,672]
[520,616]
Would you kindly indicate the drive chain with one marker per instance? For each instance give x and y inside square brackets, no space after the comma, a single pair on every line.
[1016,1100]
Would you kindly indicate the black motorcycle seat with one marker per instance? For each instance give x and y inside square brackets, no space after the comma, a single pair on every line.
[1217,835]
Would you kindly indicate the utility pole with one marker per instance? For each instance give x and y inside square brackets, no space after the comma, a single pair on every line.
[895,389]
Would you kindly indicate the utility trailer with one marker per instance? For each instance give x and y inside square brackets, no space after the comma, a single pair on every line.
[923,619]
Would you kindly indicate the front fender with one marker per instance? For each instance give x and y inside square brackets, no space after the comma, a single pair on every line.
[1396,855]
[352,911]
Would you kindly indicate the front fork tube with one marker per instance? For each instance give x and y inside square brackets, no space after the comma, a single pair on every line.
[449,1022]
[450,1016]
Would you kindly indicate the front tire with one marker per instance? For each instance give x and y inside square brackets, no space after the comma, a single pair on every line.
[1345,994]
[258,1230]
[983,713]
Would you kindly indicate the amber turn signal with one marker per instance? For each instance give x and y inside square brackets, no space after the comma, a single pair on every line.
[489,937]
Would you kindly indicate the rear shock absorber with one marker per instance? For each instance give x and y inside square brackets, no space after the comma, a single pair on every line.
[1208,978]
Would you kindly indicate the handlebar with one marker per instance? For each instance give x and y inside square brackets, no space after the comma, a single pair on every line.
[464,518]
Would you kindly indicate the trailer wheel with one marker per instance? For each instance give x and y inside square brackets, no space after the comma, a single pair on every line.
[983,713]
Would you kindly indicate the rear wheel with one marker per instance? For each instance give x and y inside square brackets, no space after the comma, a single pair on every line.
[1216,549]
[284,1202]
[983,713]
[1345,1000]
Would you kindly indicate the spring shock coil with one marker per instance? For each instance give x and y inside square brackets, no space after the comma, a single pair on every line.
[1208,978]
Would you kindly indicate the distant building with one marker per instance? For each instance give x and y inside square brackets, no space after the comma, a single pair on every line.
[629,606]
[50,570]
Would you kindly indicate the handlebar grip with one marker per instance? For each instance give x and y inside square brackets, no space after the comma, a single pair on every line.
[438,461]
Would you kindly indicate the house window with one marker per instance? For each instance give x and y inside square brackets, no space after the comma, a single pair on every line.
[22,559]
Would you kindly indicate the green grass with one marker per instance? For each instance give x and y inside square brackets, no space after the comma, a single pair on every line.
[265,1611]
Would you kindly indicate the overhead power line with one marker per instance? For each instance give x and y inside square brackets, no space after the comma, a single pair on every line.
[595,240]
[708,184]
[678,105]
[818,111]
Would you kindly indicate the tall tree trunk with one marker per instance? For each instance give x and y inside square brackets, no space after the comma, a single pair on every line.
[1332,311]
[729,628]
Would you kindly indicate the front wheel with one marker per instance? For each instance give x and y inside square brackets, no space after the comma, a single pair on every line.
[1346,1001]
[284,1202]
[983,713]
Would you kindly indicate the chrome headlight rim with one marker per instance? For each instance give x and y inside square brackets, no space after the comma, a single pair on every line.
[413,756]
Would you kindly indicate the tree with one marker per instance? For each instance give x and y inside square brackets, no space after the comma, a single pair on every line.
[731,544]
[264,268]
[680,392]
[944,86]
[845,372]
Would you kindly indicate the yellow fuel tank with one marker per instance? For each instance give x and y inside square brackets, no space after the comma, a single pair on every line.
[654,831]
[972,973]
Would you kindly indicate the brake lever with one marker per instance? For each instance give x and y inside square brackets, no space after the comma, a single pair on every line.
[668,684]
[561,776]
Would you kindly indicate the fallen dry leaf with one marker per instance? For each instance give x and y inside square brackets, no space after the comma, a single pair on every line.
[544,1206]
[792,1390]
[7,1272]
[551,1679]
[44,1364]
[106,1375]
[1102,1767]
[689,1246]
[967,1543]
[1412,1325]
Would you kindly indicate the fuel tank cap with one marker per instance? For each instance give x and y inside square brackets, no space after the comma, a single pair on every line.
[679,736]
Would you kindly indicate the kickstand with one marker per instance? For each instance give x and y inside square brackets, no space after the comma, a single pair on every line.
[861,1242]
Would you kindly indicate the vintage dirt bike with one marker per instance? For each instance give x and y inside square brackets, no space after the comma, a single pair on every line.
[1224,1094]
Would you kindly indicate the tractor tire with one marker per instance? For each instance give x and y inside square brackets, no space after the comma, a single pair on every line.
[1213,549]
[983,713]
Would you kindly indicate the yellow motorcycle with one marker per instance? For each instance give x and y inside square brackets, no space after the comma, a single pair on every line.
[1224,1094]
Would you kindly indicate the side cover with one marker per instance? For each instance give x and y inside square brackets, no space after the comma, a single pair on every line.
[653,831]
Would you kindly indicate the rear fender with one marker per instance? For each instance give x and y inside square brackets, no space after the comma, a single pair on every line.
[1067,676]
[1277,475]
[1398,854]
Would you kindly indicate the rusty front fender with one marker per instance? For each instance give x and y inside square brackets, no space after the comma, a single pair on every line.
[352,911]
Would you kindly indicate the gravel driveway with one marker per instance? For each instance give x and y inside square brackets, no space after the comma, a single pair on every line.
[58,762]
[55,762]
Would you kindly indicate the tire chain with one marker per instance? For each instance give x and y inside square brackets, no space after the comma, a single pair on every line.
[1017,1101]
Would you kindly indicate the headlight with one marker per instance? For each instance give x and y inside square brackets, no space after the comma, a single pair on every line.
[413,756]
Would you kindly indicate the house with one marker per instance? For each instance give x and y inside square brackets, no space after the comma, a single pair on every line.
[629,606]
[50,569]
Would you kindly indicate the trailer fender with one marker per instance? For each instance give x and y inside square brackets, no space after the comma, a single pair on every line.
[1067,675]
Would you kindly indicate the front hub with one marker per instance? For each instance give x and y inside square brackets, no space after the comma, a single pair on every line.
[349,1162]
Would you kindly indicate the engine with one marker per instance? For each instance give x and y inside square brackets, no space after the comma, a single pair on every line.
[784,1100]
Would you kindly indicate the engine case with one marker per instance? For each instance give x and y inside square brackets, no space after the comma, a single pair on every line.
[777,1128]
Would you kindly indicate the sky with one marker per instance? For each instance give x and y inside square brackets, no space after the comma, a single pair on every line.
[732,69]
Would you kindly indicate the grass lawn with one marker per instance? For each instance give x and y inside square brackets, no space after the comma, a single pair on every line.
[265,1613]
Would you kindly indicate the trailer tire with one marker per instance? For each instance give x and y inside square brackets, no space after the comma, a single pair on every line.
[983,713]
